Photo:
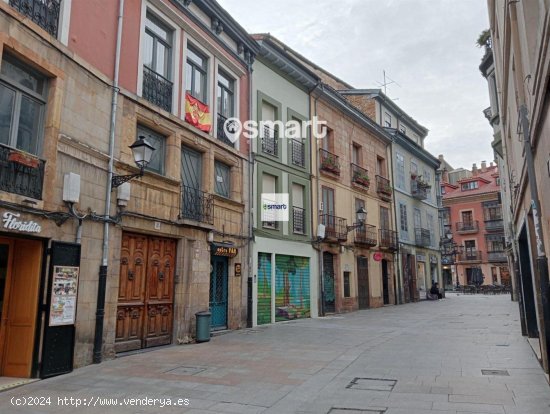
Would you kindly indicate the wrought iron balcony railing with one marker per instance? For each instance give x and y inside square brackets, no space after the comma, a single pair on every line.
[298,220]
[366,235]
[463,227]
[270,143]
[360,176]
[21,173]
[494,225]
[197,205]
[157,89]
[419,189]
[422,237]
[496,256]
[45,13]
[335,227]
[298,152]
[383,187]
[329,162]
[388,239]
[469,256]
[221,134]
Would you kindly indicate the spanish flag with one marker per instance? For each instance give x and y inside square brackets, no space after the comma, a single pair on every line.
[197,113]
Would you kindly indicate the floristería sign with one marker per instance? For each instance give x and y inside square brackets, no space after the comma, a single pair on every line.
[12,222]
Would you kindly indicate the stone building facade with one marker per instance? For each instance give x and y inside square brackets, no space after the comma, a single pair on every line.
[177,236]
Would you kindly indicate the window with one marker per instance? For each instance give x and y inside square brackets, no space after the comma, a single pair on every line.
[157,62]
[347,288]
[467,218]
[428,179]
[472,185]
[403,129]
[22,105]
[430,221]
[387,120]
[225,103]
[417,219]
[403,217]
[269,185]
[159,142]
[414,168]
[380,166]
[356,154]
[384,218]
[400,161]
[268,134]
[298,211]
[195,74]
[222,179]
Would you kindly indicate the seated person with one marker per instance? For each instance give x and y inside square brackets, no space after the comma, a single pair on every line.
[434,291]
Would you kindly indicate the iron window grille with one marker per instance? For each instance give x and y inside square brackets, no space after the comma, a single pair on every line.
[298,220]
[197,205]
[270,143]
[298,153]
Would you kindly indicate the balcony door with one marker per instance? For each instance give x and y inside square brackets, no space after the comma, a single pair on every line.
[191,177]
[384,218]
[467,219]
[328,218]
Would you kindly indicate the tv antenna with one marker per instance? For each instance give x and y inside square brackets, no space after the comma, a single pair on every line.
[387,81]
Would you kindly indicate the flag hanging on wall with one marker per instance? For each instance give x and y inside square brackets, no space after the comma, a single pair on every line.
[197,113]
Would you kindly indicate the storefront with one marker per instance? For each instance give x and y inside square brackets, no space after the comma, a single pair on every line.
[39,281]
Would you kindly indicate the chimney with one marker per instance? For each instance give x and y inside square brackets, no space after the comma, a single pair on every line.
[483,166]
[445,176]
[474,169]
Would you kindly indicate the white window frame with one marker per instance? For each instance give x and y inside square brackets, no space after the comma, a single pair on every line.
[176,58]
[236,96]
[401,181]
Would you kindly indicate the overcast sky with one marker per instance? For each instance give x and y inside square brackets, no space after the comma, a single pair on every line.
[426,46]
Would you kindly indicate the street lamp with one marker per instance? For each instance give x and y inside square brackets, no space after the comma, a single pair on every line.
[449,249]
[142,150]
[361,217]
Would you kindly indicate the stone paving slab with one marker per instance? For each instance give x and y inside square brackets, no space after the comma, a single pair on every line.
[420,358]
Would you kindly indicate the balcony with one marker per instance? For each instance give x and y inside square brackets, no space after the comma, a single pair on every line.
[465,227]
[298,220]
[419,188]
[469,256]
[422,237]
[197,205]
[366,236]
[383,187]
[298,150]
[497,256]
[21,173]
[388,239]
[335,227]
[45,13]
[360,176]
[270,143]
[221,134]
[329,162]
[157,89]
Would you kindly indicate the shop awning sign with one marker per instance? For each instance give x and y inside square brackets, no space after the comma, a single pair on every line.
[223,250]
[11,221]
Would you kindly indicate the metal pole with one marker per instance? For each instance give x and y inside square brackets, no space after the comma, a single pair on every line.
[542,260]
[102,282]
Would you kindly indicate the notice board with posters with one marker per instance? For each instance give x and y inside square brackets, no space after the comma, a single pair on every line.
[63,295]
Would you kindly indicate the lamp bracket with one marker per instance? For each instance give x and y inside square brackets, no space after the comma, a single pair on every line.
[354,226]
[118,180]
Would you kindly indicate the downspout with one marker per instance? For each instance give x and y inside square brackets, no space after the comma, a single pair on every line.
[250,283]
[316,209]
[102,283]
[397,272]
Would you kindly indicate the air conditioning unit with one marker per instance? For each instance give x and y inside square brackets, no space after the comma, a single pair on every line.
[321,231]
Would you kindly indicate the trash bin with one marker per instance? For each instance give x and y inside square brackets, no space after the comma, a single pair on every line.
[203,326]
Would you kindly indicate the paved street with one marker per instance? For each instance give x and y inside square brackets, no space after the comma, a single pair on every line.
[417,358]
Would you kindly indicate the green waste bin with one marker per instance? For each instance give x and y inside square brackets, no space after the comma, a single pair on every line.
[203,326]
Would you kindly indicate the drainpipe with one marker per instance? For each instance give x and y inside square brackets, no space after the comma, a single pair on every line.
[542,260]
[102,283]
[316,209]
[250,283]
[397,272]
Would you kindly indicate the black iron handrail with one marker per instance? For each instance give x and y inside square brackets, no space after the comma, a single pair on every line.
[335,227]
[298,152]
[45,13]
[383,185]
[197,205]
[366,235]
[467,226]
[157,89]
[270,143]
[422,237]
[388,239]
[21,173]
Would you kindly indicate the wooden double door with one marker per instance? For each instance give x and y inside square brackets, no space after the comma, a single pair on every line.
[145,293]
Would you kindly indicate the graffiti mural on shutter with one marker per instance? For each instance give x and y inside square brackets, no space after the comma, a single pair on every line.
[264,288]
[292,298]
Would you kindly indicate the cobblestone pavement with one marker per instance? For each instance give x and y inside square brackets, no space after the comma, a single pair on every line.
[426,357]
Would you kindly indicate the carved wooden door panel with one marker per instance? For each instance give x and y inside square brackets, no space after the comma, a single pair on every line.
[146,292]
[159,292]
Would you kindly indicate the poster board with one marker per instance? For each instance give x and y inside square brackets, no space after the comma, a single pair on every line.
[64,292]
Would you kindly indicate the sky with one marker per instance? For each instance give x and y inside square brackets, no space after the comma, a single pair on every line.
[426,46]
